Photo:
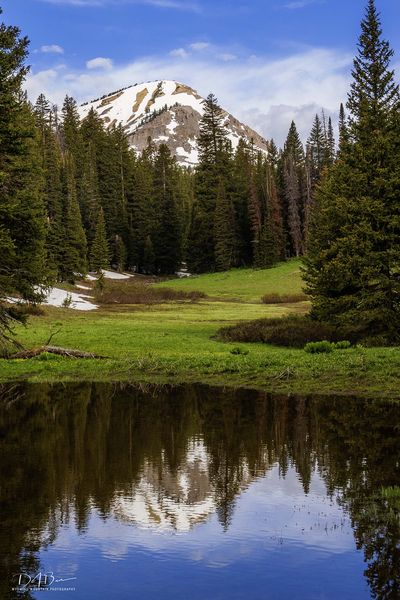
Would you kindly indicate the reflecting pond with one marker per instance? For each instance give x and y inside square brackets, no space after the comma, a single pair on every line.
[197,493]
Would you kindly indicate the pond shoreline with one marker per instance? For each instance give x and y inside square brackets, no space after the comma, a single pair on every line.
[115,372]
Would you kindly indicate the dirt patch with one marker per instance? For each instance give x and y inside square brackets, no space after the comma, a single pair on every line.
[140,96]
[110,99]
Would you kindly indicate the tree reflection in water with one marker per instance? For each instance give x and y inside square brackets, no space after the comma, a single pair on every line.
[170,458]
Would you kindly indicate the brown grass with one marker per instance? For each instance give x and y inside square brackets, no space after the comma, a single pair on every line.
[283,298]
[293,330]
[135,292]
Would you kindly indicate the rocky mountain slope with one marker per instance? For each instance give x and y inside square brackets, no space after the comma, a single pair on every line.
[168,112]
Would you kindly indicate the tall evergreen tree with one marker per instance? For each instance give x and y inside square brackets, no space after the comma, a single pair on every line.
[224,231]
[22,219]
[353,268]
[168,251]
[274,212]
[320,155]
[214,159]
[100,252]
[331,144]
[149,259]
[51,164]
[242,169]
[343,129]
[74,245]
[142,218]
[294,190]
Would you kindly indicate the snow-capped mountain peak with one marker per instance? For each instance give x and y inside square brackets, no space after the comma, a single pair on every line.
[167,111]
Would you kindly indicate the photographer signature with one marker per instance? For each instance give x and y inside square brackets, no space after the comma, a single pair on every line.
[40,580]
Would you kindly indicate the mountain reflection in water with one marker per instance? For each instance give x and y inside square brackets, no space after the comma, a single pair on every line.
[198,492]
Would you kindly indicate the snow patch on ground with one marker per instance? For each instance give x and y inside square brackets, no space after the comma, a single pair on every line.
[83,287]
[108,275]
[60,298]
[182,274]
[114,275]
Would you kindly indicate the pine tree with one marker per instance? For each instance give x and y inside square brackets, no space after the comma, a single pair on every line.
[100,252]
[213,137]
[184,202]
[320,155]
[51,164]
[331,144]
[168,248]
[274,216]
[88,191]
[353,268]
[74,244]
[214,163]
[149,258]
[22,216]
[294,190]
[343,130]
[224,231]
[293,195]
[142,218]
[240,191]
[121,253]
[317,142]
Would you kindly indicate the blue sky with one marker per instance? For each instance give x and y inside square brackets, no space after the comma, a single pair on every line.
[268,61]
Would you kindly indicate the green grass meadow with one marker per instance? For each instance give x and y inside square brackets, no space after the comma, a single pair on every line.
[246,285]
[173,342]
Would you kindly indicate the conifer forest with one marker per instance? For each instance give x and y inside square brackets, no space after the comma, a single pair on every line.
[200,299]
[76,198]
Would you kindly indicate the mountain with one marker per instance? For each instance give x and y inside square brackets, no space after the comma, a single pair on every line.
[167,111]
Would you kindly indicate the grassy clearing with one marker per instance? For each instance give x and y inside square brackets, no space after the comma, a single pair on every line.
[247,285]
[173,343]
[176,342]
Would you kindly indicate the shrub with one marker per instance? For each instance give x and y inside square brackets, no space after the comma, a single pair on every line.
[343,345]
[291,331]
[66,303]
[238,350]
[116,292]
[25,309]
[283,298]
[319,347]
[391,492]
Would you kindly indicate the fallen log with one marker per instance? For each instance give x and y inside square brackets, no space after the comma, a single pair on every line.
[67,352]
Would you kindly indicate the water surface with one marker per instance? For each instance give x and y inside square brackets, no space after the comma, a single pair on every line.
[196,493]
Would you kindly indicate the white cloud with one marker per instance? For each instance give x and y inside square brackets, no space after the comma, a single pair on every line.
[173,4]
[179,53]
[266,93]
[51,49]
[100,63]
[76,2]
[227,56]
[178,5]
[199,46]
[297,4]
